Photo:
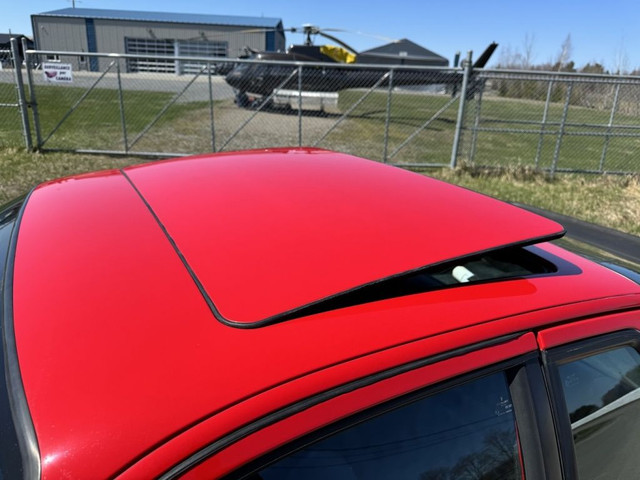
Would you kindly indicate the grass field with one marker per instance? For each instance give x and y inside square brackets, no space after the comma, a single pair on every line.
[609,200]
[96,121]
[514,148]
[185,128]
[613,201]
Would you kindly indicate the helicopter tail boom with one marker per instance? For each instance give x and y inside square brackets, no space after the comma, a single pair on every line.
[486,55]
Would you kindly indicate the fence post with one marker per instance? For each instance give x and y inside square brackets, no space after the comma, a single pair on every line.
[32,94]
[300,106]
[211,118]
[476,125]
[543,126]
[463,97]
[556,152]
[123,121]
[614,108]
[387,118]
[22,102]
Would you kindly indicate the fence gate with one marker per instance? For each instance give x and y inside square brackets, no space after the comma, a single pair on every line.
[169,104]
[13,103]
[402,115]
[120,109]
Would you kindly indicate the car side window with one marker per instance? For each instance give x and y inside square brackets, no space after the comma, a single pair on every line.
[601,393]
[466,431]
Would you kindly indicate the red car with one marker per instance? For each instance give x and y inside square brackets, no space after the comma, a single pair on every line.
[306,314]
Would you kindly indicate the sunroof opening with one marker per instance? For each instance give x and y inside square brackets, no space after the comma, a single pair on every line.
[494,265]
[501,264]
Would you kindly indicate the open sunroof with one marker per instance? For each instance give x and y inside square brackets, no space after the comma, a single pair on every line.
[267,234]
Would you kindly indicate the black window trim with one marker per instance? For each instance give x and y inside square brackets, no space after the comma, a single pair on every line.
[220,444]
[322,304]
[570,352]
[536,433]
[521,373]
[526,384]
[23,423]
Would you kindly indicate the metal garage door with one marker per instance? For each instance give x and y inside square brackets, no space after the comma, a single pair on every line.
[150,46]
[199,48]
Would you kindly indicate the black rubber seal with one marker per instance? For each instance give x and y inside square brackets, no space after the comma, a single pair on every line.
[27,440]
[300,406]
[316,306]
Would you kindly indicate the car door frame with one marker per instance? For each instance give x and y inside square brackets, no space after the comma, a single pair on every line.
[262,442]
[572,341]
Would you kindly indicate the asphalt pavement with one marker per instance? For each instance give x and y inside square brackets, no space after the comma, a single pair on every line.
[618,243]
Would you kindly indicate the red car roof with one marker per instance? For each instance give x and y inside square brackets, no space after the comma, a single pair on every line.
[120,353]
[269,232]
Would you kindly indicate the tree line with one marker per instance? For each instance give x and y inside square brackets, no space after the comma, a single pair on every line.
[598,95]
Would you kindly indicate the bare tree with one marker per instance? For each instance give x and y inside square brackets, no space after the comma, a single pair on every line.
[566,49]
[621,66]
[527,48]
[514,58]
[509,57]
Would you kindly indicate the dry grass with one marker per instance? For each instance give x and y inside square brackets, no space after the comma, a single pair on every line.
[613,201]
[20,171]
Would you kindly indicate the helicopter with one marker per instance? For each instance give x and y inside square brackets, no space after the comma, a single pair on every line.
[270,76]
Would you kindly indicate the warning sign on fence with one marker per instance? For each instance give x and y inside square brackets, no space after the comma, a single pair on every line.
[57,72]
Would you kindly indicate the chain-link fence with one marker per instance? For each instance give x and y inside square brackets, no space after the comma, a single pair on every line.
[400,115]
[404,115]
[11,128]
[555,121]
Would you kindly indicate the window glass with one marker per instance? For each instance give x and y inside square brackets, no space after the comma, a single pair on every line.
[467,431]
[601,393]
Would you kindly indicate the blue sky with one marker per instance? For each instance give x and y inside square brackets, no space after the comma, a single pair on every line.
[606,32]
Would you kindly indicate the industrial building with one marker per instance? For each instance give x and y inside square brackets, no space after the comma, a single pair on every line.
[5,47]
[151,33]
[403,52]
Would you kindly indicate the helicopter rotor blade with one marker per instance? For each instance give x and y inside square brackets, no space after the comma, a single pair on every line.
[307,29]
[372,35]
[338,41]
[358,32]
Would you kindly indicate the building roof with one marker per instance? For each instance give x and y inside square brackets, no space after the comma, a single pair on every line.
[5,38]
[406,49]
[142,16]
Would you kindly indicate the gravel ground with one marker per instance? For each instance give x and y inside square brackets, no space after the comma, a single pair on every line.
[267,129]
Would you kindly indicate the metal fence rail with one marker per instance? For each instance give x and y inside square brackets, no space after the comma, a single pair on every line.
[410,116]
